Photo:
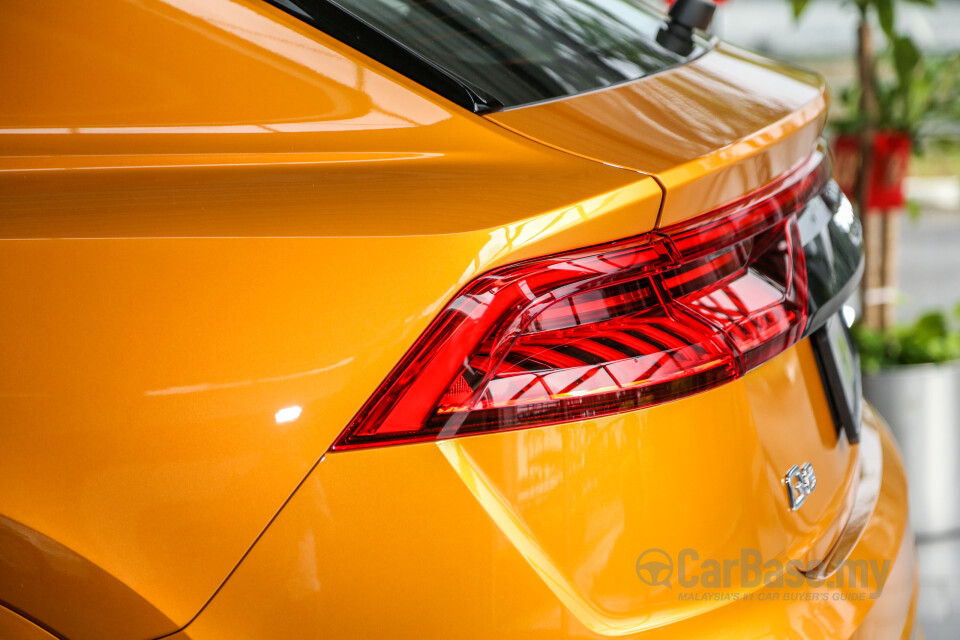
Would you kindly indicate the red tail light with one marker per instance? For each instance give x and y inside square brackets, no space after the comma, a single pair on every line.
[607,329]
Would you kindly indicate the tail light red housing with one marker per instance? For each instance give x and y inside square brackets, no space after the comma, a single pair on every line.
[606,329]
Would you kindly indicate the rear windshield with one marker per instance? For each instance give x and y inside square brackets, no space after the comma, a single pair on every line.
[514,51]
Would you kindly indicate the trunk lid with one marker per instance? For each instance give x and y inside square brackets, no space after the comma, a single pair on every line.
[710,131]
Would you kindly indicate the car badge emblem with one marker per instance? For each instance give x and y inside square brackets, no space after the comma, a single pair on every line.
[800,482]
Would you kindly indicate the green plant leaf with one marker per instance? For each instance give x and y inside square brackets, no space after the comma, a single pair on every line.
[931,325]
[799,6]
[932,338]
[886,15]
[906,58]
[913,210]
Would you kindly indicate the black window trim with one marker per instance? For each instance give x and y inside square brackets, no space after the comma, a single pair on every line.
[358,34]
[355,32]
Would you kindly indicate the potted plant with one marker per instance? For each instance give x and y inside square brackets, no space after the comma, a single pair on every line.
[874,145]
[912,377]
[914,97]
[883,113]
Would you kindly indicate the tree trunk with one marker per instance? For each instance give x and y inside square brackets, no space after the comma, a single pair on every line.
[873,297]
[866,63]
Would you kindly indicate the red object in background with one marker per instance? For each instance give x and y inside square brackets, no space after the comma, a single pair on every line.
[891,159]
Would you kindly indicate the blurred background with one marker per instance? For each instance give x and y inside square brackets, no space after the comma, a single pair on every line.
[908,325]
[825,39]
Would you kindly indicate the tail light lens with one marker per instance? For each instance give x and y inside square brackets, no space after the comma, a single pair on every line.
[607,329]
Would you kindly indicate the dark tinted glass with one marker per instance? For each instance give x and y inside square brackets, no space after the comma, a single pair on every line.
[515,51]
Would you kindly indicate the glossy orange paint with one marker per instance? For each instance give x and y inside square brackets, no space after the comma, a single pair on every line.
[15,627]
[184,257]
[710,131]
[462,535]
[211,212]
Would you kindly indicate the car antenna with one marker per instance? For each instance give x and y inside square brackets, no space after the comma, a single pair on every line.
[685,16]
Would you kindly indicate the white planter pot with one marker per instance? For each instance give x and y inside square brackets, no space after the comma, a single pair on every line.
[922,405]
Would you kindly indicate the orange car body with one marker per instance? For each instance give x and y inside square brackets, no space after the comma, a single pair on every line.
[211,212]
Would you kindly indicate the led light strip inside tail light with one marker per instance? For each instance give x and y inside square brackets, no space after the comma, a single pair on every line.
[607,329]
